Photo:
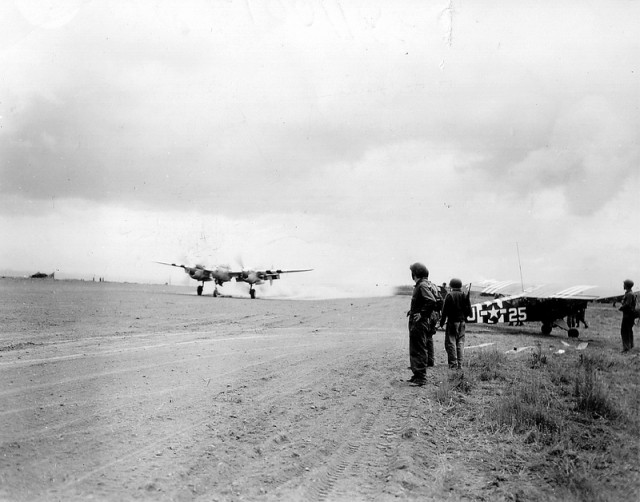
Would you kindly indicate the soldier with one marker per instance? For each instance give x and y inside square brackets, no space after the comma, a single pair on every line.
[457,308]
[580,315]
[423,316]
[628,309]
[443,290]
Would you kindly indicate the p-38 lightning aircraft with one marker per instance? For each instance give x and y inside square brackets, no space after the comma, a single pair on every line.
[221,274]
[548,304]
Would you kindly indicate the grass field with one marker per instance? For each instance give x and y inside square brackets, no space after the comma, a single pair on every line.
[572,416]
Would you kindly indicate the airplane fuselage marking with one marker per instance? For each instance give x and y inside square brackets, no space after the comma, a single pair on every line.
[494,312]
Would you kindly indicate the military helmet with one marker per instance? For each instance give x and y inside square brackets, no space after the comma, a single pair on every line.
[628,283]
[455,283]
[419,270]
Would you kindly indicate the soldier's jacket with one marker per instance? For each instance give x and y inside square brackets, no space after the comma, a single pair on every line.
[426,301]
[457,307]
[628,305]
[423,300]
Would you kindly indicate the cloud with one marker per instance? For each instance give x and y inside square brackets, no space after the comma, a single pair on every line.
[589,154]
[145,115]
[181,110]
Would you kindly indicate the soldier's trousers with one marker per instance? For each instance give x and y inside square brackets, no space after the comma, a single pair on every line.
[626,331]
[454,343]
[420,348]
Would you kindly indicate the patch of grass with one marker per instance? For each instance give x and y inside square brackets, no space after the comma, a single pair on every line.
[538,359]
[577,485]
[532,407]
[561,373]
[570,473]
[591,395]
[562,425]
[600,361]
[487,364]
[529,407]
[460,383]
[455,382]
[602,388]
[443,393]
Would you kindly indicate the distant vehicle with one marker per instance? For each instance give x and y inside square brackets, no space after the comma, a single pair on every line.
[548,304]
[40,275]
[221,274]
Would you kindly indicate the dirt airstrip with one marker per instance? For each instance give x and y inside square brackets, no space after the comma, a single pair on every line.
[125,392]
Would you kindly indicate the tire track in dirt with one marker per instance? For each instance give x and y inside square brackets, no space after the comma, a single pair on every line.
[199,427]
[28,389]
[369,445]
[342,459]
[256,443]
[145,393]
[51,430]
[321,487]
[380,444]
[73,382]
[138,454]
[239,336]
[135,453]
[51,427]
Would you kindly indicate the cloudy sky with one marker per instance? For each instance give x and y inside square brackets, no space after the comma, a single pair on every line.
[353,137]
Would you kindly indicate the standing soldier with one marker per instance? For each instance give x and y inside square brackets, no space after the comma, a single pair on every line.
[423,317]
[580,315]
[628,310]
[457,308]
[443,290]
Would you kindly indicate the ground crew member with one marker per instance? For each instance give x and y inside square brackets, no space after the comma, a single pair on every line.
[455,311]
[580,315]
[628,309]
[423,318]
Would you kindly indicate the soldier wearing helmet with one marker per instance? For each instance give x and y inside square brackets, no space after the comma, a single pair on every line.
[423,317]
[628,310]
[455,311]
[419,270]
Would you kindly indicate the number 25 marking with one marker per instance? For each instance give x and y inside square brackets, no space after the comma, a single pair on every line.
[517,314]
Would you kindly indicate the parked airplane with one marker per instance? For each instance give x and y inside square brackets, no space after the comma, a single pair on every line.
[549,304]
[221,274]
[40,275]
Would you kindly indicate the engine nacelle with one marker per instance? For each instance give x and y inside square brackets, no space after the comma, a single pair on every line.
[199,275]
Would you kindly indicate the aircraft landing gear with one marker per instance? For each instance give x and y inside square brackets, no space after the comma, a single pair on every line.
[252,292]
[546,329]
[199,290]
[573,333]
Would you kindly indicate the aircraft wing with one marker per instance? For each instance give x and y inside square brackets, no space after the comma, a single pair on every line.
[172,264]
[187,268]
[266,274]
[501,288]
[276,272]
[546,291]
[576,292]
